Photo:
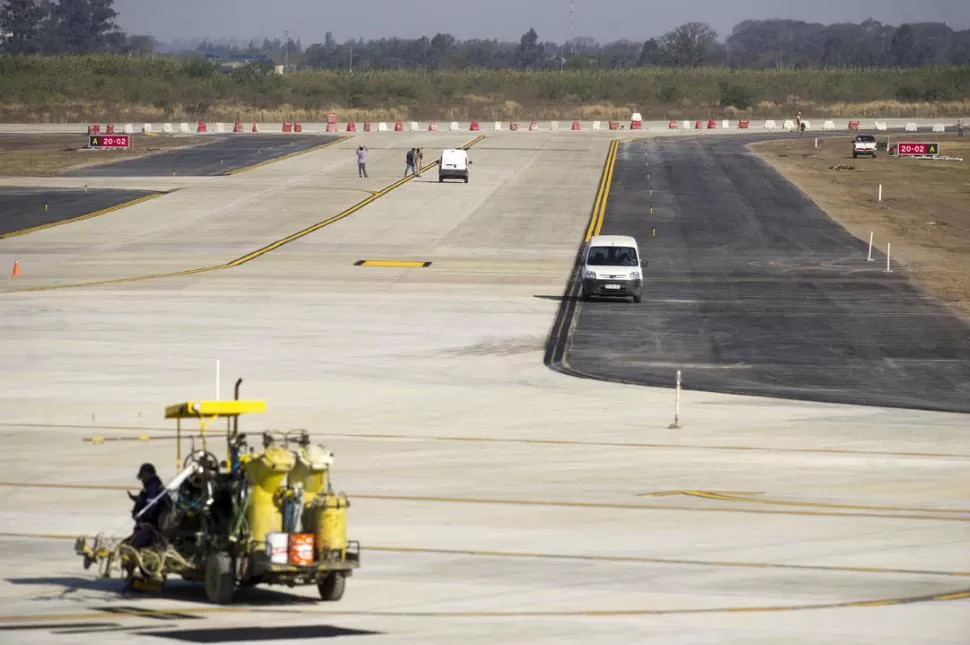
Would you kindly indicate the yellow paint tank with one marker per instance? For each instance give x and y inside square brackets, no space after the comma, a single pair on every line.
[332,523]
[311,470]
[266,473]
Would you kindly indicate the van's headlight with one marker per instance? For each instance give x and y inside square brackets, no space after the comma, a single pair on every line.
[590,275]
[634,275]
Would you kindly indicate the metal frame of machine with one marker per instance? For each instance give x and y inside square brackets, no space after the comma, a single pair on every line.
[222,518]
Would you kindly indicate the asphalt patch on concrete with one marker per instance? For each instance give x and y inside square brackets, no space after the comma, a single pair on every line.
[752,289]
[257,634]
[226,153]
[23,208]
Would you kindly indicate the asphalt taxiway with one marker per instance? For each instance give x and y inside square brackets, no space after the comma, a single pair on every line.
[752,289]
[224,155]
[29,209]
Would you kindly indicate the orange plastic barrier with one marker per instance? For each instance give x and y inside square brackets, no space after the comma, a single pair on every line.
[201,127]
[287,126]
[712,124]
[576,125]
[475,127]
[673,125]
[743,124]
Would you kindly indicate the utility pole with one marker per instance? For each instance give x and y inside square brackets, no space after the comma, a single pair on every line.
[350,63]
[286,50]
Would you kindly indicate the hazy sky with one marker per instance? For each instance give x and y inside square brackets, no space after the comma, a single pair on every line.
[604,20]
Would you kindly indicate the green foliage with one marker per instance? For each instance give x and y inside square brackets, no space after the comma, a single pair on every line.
[195,86]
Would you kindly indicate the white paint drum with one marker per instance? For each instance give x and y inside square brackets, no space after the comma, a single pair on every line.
[277,545]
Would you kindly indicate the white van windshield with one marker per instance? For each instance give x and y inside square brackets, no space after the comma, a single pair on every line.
[612,256]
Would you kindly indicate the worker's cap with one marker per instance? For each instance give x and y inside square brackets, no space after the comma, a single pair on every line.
[146,470]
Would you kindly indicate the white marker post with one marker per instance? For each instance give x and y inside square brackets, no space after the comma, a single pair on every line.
[889,247]
[217,379]
[880,192]
[869,259]
[676,424]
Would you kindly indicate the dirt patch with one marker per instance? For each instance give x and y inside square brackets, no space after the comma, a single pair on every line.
[45,155]
[924,212]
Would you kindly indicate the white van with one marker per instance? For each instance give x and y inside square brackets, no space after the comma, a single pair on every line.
[453,164]
[613,267]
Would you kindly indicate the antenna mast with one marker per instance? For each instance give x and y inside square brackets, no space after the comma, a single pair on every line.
[572,20]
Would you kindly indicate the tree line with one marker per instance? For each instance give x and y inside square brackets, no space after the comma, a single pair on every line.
[85,26]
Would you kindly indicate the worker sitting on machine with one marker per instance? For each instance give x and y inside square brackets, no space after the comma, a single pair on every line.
[150,503]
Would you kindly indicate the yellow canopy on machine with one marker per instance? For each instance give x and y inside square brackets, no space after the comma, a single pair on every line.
[200,409]
[207,412]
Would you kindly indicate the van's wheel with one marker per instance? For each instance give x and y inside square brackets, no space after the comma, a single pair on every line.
[637,299]
[466,180]
[332,587]
[220,579]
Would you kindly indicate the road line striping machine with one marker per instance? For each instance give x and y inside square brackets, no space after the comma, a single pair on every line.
[256,518]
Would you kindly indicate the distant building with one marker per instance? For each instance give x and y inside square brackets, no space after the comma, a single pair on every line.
[235,61]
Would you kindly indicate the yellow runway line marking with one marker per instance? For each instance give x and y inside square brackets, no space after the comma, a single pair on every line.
[401,264]
[72,220]
[288,156]
[943,515]
[740,497]
[636,444]
[602,194]
[619,559]
[272,246]
[661,507]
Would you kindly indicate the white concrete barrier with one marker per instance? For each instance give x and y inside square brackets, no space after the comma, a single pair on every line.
[184,128]
[146,128]
[686,125]
[771,125]
[220,127]
[939,127]
[129,128]
[726,124]
[789,125]
[414,126]
[911,127]
[828,125]
[596,125]
[167,128]
[454,126]
[382,127]
[881,126]
[554,125]
[498,126]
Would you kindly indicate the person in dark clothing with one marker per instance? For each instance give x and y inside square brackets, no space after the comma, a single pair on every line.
[146,526]
[409,159]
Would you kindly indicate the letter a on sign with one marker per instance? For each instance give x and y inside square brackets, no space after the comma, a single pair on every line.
[932,149]
[94,141]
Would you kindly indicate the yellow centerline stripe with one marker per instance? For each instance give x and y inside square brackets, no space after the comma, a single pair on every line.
[103,211]
[943,515]
[605,179]
[606,193]
[621,559]
[249,256]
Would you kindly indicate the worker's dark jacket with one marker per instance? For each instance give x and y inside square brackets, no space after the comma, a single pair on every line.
[152,488]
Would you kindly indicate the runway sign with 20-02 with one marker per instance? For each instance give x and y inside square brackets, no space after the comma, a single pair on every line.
[918,149]
[109,141]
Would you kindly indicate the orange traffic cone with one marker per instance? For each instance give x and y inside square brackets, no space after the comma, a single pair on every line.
[254,126]
[16,269]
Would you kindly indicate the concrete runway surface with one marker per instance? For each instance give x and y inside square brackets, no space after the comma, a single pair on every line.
[752,289]
[496,500]
[223,155]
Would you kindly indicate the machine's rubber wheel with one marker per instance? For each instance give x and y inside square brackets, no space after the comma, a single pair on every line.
[220,579]
[332,587]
